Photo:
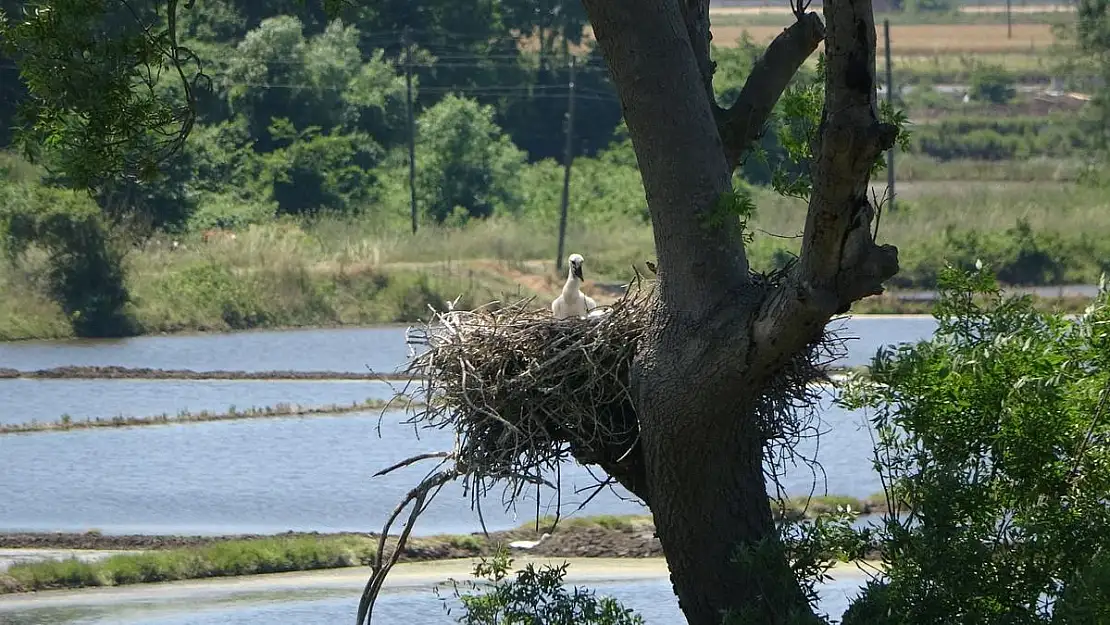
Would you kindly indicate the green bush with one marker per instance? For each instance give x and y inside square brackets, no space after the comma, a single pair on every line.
[998,138]
[85,273]
[928,6]
[311,172]
[218,293]
[991,83]
[1019,255]
[535,596]
[465,165]
[221,559]
[227,211]
[993,436]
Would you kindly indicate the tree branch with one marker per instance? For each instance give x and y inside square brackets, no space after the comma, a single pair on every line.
[840,262]
[695,13]
[678,150]
[744,121]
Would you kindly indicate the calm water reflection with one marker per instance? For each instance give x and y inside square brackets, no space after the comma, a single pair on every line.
[345,349]
[275,475]
[23,400]
[341,349]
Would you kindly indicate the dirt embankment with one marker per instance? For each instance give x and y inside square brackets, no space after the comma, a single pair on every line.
[622,540]
[588,537]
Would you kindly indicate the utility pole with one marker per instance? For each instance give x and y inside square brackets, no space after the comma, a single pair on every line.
[412,125]
[568,157]
[890,103]
[1009,23]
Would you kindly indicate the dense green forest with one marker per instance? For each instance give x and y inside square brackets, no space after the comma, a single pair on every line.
[290,201]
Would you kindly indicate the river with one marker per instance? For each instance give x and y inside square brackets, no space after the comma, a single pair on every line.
[294,473]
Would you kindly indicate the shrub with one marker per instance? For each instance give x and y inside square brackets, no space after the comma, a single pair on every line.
[535,596]
[992,83]
[227,211]
[218,293]
[85,267]
[992,440]
[465,164]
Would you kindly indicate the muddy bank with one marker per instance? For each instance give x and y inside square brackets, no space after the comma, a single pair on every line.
[112,372]
[593,541]
[601,537]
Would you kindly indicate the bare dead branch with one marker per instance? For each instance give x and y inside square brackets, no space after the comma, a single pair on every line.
[744,121]
[413,460]
[420,497]
[670,117]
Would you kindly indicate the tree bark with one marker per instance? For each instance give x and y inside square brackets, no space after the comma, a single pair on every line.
[716,338]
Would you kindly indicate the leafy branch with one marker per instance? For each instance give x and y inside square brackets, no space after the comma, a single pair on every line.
[100,106]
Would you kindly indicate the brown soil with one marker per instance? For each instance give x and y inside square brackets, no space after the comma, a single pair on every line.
[582,540]
[633,541]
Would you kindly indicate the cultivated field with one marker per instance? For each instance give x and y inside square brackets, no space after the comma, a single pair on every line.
[923,39]
[783,9]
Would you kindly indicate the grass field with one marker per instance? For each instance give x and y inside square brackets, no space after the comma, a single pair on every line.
[341,272]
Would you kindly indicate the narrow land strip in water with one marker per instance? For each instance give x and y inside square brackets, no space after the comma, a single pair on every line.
[159,559]
[65,424]
[412,575]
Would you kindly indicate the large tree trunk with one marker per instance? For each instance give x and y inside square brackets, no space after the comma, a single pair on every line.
[715,337]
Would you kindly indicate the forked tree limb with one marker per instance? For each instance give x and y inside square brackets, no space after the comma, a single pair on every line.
[839,261]
[420,497]
[669,112]
[743,122]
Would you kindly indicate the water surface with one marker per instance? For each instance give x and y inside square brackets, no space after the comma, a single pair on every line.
[24,400]
[380,349]
[303,474]
[652,599]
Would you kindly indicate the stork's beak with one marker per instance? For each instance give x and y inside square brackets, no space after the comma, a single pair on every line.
[577,269]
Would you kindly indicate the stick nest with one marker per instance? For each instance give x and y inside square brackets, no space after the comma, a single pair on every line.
[523,391]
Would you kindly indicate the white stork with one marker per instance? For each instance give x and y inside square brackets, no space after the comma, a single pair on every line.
[572,302]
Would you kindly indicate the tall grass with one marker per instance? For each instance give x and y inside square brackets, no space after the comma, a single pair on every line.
[918,167]
[346,271]
[220,559]
[282,554]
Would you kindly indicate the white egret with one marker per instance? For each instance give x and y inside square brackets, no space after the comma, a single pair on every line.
[528,544]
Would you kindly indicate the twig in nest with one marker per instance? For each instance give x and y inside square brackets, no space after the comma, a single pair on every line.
[523,392]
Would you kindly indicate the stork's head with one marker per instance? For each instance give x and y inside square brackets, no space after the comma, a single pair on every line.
[575,261]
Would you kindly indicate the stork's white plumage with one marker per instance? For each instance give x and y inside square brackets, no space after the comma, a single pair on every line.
[528,544]
[572,302]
